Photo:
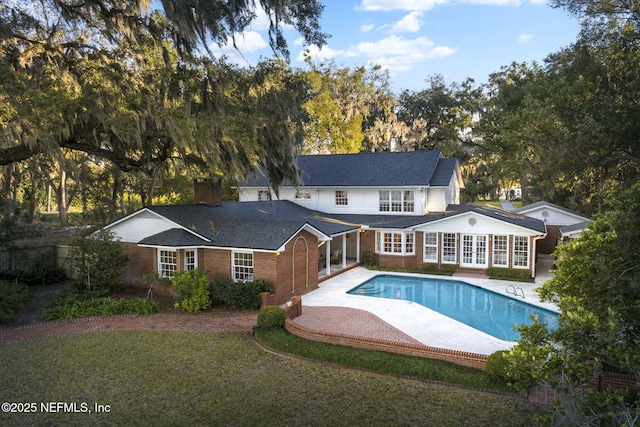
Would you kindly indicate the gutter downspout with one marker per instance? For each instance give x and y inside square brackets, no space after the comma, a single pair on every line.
[535,250]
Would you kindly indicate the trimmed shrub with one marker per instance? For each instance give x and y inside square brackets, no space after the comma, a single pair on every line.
[192,293]
[239,295]
[448,268]
[444,269]
[271,316]
[101,306]
[498,365]
[509,274]
[13,298]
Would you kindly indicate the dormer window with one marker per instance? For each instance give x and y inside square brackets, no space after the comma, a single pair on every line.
[397,201]
[264,195]
[341,198]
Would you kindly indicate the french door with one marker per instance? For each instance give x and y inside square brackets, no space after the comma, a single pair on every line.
[474,251]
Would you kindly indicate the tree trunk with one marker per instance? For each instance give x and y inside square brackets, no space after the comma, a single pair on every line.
[62,197]
[152,186]
[33,198]
[524,187]
[8,207]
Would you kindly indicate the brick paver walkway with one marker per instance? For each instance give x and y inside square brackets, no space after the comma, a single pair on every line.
[211,321]
[351,321]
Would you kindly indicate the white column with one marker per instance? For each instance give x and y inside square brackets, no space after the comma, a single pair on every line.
[344,251]
[358,246]
[327,257]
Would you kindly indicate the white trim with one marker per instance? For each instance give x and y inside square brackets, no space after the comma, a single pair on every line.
[469,213]
[424,246]
[476,240]
[513,250]
[311,229]
[531,208]
[455,248]
[493,251]
[160,263]
[379,242]
[233,265]
[221,248]
[184,258]
[126,218]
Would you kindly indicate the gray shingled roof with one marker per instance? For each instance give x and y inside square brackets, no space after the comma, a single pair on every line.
[269,225]
[386,169]
[580,226]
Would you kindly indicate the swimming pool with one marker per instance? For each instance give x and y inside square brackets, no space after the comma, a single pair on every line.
[479,308]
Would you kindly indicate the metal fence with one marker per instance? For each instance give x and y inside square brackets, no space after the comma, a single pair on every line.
[27,259]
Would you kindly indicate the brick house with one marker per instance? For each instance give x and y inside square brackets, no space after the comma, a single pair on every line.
[402,207]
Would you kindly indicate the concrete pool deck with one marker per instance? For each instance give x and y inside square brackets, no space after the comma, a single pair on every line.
[414,321]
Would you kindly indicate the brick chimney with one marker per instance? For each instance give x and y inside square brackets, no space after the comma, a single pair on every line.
[207,190]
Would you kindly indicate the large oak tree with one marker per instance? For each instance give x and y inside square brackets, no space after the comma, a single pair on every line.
[131,85]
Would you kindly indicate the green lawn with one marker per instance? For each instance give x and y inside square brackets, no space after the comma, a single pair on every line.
[187,378]
[496,203]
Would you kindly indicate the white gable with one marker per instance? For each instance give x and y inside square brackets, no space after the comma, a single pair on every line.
[140,225]
[552,215]
[475,223]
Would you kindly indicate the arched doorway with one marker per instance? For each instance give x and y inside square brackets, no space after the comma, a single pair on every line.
[299,266]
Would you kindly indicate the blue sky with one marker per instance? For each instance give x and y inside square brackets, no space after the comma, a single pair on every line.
[415,39]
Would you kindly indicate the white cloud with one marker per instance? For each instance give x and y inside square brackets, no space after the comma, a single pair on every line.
[250,42]
[320,54]
[494,2]
[247,42]
[365,28]
[395,53]
[387,5]
[525,38]
[262,23]
[399,54]
[426,5]
[411,23]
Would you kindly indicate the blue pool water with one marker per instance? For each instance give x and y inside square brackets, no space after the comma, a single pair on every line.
[479,308]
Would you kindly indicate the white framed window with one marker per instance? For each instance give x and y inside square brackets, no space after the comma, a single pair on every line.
[167,263]
[242,267]
[190,259]
[407,201]
[264,195]
[500,251]
[520,251]
[384,201]
[408,243]
[449,248]
[430,247]
[341,198]
[396,201]
[395,242]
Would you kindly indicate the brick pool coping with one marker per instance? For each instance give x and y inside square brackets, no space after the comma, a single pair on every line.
[357,328]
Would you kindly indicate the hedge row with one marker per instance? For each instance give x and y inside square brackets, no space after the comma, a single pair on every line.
[509,274]
[101,306]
